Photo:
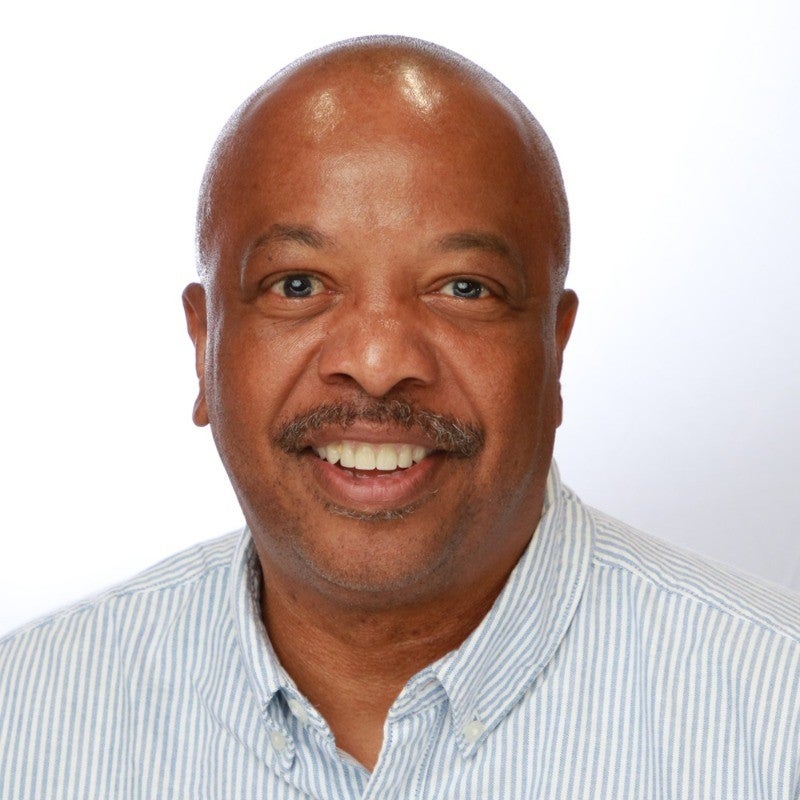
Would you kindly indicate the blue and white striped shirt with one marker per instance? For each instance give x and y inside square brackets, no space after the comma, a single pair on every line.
[611,666]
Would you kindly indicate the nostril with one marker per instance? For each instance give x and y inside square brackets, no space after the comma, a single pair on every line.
[378,357]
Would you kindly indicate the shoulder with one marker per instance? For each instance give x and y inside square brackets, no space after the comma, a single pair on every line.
[158,587]
[669,570]
[108,669]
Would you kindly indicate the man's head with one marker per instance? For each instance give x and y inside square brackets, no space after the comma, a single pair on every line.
[383,240]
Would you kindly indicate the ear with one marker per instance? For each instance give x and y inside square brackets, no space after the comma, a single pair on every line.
[565,319]
[194,306]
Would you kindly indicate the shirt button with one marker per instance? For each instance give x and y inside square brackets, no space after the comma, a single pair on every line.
[473,731]
[278,741]
[296,707]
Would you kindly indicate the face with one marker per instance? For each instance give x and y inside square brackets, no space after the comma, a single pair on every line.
[379,342]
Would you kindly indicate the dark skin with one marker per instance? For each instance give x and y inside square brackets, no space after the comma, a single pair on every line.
[378,226]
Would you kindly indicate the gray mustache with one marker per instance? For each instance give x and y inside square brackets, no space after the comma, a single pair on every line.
[456,437]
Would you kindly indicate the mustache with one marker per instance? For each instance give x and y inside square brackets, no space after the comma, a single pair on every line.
[456,437]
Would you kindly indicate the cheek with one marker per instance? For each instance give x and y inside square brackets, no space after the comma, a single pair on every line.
[513,389]
[252,369]
[508,378]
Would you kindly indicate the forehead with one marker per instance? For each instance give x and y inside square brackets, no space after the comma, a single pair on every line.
[353,148]
[406,110]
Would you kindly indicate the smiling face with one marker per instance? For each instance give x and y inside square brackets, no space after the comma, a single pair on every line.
[379,341]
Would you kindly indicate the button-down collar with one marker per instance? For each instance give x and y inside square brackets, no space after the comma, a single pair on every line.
[502,657]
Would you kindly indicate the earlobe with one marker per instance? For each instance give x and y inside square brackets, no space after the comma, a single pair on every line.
[194,306]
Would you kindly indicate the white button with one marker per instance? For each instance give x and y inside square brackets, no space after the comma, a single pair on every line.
[278,741]
[473,731]
[296,707]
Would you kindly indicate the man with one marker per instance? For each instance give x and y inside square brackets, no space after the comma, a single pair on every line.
[417,607]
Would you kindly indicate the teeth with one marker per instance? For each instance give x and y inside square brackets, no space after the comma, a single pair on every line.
[333,452]
[348,455]
[365,457]
[387,457]
[361,455]
[405,456]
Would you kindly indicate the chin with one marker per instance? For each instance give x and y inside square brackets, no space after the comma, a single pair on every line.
[373,559]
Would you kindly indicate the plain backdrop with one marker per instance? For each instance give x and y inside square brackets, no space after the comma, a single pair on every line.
[678,130]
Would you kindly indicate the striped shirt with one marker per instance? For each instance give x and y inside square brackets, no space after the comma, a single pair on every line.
[611,666]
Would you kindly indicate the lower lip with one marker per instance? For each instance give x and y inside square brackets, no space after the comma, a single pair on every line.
[375,490]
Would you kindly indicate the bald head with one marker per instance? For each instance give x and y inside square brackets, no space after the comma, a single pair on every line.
[399,90]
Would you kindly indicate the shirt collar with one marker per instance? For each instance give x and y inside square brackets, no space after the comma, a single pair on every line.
[498,662]
[264,671]
[500,659]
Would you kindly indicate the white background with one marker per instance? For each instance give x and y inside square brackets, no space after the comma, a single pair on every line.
[678,128]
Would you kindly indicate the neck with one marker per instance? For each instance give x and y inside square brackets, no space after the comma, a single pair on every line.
[352,662]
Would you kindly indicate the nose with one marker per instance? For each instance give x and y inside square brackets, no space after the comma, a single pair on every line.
[380,349]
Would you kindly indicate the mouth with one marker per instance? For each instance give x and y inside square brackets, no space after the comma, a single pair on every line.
[379,459]
[368,457]
[374,479]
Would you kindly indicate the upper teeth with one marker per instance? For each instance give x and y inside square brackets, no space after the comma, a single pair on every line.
[361,455]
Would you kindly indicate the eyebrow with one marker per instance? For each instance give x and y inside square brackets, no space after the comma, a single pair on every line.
[452,242]
[277,234]
[300,234]
[480,240]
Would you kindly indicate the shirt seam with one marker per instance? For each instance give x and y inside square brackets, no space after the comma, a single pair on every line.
[694,596]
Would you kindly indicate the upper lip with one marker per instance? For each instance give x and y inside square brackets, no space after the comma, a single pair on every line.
[370,434]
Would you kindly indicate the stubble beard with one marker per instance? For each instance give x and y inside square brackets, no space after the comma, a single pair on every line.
[376,585]
[385,515]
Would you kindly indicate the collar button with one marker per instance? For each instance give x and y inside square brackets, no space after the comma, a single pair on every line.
[296,707]
[473,730]
[278,741]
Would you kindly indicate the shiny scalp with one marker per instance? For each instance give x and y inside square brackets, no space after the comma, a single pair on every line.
[379,57]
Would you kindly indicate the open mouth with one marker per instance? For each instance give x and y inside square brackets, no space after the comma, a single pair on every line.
[366,477]
[364,456]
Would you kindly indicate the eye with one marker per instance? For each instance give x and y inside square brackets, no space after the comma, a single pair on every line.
[465,289]
[297,286]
